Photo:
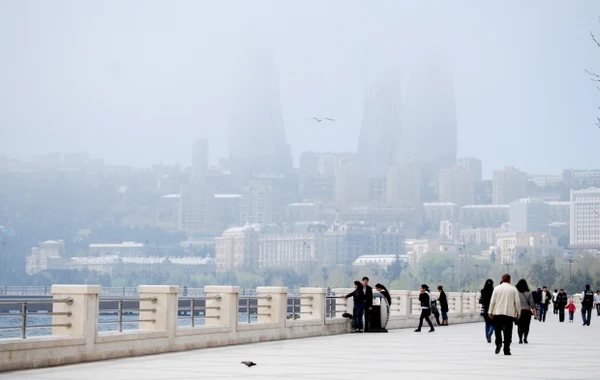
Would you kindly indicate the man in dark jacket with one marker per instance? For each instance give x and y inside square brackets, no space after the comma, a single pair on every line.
[587,303]
[561,302]
[545,298]
[368,302]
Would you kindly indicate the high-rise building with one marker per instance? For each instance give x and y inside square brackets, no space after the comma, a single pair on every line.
[351,183]
[473,165]
[456,186]
[528,215]
[429,131]
[257,139]
[378,141]
[585,218]
[509,184]
[257,203]
[403,183]
[194,207]
[200,159]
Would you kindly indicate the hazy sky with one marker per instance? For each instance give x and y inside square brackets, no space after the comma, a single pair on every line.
[135,82]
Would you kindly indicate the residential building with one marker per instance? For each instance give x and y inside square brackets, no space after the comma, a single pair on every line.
[194,207]
[473,165]
[257,204]
[509,184]
[237,249]
[48,255]
[585,218]
[403,184]
[351,184]
[456,185]
[435,212]
[528,215]
[480,235]
[200,159]
[512,247]
[559,212]
[484,215]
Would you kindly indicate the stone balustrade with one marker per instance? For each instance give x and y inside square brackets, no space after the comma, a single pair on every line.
[76,339]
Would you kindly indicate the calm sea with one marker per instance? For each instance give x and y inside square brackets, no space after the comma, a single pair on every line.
[107,323]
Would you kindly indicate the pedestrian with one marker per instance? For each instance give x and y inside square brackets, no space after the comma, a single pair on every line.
[484,299]
[443,300]
[368,301]
[537,298]
[384,292]
[504,309]
[358,297]
[571,307]
[597,301]
[425,300]
[587,303]
[561,302]
[527,310]
[554,306]
[545,298]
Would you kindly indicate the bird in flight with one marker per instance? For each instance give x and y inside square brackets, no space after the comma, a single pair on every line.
[319,120]
[249,364]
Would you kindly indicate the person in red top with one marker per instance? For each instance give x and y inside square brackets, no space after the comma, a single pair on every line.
[571,307]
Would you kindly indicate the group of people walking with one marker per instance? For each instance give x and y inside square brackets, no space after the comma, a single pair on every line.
[505,305]
[429,306]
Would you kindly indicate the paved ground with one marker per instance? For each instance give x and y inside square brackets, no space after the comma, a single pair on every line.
[555,351]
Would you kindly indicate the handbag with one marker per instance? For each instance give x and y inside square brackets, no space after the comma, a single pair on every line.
[531,308]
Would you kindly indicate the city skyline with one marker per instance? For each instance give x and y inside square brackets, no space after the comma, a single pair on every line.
[138,92]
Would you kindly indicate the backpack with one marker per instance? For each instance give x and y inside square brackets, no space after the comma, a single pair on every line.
[433,303]
[588,297]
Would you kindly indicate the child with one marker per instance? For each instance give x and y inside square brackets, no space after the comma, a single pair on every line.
[571,307]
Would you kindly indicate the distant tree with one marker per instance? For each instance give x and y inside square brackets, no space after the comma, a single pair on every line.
[594,76]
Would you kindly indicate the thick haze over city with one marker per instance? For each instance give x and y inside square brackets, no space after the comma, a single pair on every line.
[135,82]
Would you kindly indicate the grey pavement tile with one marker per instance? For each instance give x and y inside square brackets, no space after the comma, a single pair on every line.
[556,351]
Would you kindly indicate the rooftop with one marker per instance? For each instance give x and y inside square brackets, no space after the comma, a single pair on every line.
[456,352]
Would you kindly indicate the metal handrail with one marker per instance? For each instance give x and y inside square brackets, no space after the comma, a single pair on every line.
[23,314]
[68,301]
[121,310]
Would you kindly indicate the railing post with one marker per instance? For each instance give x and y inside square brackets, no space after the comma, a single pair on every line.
[158,309]
[222,306]
[81,314]
[272,304]
[312,304]
[458,303]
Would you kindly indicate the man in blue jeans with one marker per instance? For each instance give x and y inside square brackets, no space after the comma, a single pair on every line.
[546,296]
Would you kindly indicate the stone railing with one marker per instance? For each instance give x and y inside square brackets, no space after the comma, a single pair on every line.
[75,337]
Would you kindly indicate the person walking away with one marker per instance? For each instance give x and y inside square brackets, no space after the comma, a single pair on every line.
[435,311]
[571,307]
[561,303]
[544,302]
[587,303]
[527,310]
[597,302]
[425,300]
[554,306]
[504,309]
[484,300]
[537,298]
[443,300]
[368,301]
[358,297]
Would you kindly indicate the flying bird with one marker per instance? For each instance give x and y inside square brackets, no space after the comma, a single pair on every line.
[249,364]
[319,120]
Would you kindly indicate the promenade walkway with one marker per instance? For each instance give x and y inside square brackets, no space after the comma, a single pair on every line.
[556,351]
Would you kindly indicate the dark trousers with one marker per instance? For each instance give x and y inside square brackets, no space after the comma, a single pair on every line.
[489,325]
[503,324]
[554,307]
[367,318]
[357,315]
[571,315]
[598,308]
[523,324]
[436,315]
[543,310]
[561,313]
[586,314]
[425,313]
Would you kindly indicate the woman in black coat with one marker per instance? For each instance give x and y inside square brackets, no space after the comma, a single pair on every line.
[358,310]
[443,305]
[425,300]
[384,292]
[484,300]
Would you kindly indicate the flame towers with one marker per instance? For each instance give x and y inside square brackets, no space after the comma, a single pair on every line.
[257,140]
